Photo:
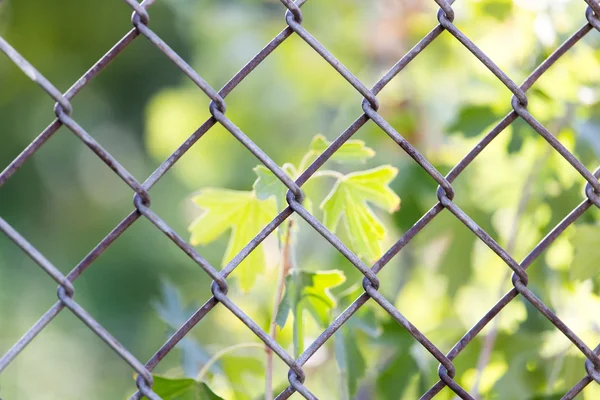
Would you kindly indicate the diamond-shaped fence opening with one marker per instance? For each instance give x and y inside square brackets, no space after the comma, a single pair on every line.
[142,206]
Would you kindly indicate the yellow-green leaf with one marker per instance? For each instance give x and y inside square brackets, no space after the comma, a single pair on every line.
[350,197]
[245,215]
[351,151]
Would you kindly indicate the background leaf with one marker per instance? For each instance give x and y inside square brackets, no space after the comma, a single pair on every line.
[350,360]
[171,310]
[399,366]
[472,120]
[586,262]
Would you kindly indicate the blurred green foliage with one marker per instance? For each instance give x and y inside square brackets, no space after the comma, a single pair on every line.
[141,108]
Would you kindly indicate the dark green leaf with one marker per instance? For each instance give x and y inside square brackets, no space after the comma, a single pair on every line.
[267,184]
[171,309]
[519,130]
[472,120]
[182,389]
[394,376]
[399,367]
[364,319]
[174,314]
[349,359]
[310,291]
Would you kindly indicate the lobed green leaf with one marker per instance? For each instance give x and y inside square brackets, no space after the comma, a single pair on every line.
[243,213]
[349,198]
[352,151]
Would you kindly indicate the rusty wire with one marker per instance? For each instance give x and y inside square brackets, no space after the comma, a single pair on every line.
[370,105]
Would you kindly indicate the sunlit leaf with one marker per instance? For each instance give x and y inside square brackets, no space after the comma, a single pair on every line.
[472,120]
[245,215]
[352,151]
[309,291]
[182,389]
[349,198]
[586,262]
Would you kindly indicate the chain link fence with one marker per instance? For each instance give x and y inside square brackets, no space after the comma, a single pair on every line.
[370,105]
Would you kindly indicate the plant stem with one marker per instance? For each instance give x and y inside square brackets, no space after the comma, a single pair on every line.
[286,265]
[306,160]
[225,351]
[298,331]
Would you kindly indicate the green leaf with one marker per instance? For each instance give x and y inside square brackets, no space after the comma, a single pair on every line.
[586,242]
[519,130]
[182,389]
[395,373]
[349,198]
[172,311]
[365,319]
[245,215]
[497,9]
[352,151]
[267,184]
[349,359]
[472,120]
[310,291]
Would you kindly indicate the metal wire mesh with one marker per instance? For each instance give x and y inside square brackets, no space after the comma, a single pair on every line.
[370,105]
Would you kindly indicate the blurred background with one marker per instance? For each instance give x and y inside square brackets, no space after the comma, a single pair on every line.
[64,200]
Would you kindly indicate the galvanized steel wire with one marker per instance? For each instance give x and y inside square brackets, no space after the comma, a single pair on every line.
[445,193]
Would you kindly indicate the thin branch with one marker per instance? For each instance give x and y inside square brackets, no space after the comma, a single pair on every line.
[490,339]
[286,265]
[206,367]
[306,160]
[328,173]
